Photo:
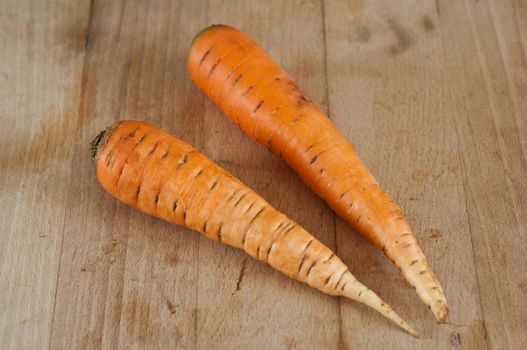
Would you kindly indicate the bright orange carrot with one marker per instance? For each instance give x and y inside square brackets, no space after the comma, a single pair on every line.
[162,176]
[256,94]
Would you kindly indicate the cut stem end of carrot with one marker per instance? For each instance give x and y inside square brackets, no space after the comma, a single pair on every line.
[205,30]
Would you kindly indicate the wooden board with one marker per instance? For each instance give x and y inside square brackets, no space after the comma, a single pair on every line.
[432,94]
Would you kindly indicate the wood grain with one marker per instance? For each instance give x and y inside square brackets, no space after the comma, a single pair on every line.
[41,55]
[432,94]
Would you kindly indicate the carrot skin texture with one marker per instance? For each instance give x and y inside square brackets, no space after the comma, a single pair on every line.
[267,105]
[163,176]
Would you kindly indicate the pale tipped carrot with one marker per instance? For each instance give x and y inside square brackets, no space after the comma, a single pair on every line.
[163,176]
[256,94]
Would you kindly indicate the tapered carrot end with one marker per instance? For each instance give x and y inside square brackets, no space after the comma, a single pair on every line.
[359,292]
[420,275]
[440,310]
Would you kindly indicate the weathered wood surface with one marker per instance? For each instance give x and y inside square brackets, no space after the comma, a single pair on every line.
[433,94]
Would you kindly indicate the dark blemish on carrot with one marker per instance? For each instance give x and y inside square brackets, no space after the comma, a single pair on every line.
[232,196]
[231,72]
[258,253]
[398,218]
[204,228]
[132,134]
[257,214]
[277,78]
[309,147]
[314,159]
[184,216]
[344,286]
[258,106]
[291,227]
[293,85]
[204,57]
[360,293]
[358,219]
[302,100]
[165,154]
[327,280]
[156,198]
[154,148]
[109,159]
[403,39]
[310,268]
[405,234]
[342,195]
[199,173]
[240,199]
[408,245]
[245,236]
[321,171]
[340,279]
[120,173]
[137,192]
[137,143]
[183,160]
[248,90]
[301,263]
[396,242]
[213,68]
[213,185]
[428,25]
[270,250]
[250,207]
[307,245]
[219,232]
[237,79]
[174,205]
[330,257]
[434,288]
[279,226]
[295,119]
[422,272]
[414,262]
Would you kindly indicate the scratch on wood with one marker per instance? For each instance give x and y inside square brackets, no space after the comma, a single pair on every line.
[171,307]
[240,277]
[455,340]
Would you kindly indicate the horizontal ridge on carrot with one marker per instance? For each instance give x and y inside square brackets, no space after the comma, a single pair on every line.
[163,176]
[256,94]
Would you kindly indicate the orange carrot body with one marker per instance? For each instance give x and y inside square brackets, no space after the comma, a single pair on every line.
[256,94]
[162,176]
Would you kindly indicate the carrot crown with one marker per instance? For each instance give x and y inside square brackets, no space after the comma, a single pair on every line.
[205,30]
[100,140]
